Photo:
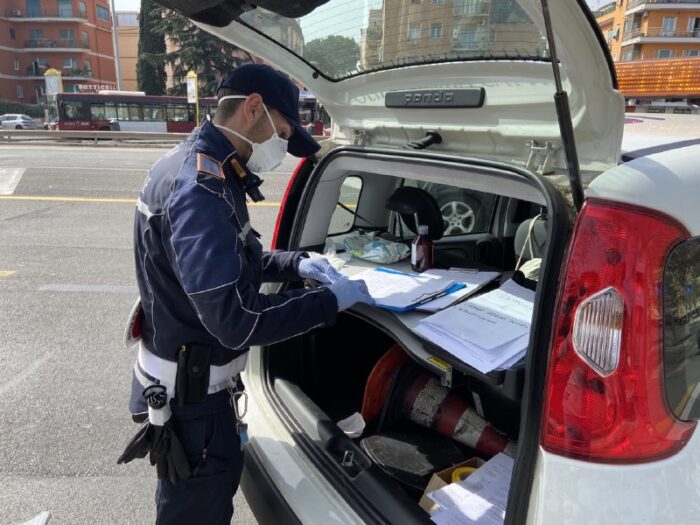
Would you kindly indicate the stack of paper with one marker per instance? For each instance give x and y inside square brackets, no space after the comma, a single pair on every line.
[488,332]
[473,281]
[480,499]
[400,291]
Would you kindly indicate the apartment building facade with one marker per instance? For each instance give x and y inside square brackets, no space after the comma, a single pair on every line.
[656,47]
[406,31]
[128,42]
[72,36]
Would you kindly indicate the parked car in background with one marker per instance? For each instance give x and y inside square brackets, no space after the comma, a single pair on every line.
[17,121]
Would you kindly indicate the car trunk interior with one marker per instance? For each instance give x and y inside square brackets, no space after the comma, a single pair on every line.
[424,409]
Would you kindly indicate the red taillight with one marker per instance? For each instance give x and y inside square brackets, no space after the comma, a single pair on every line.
[283,204]
[605,399]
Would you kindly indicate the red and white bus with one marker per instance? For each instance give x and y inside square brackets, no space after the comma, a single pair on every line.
[125,111]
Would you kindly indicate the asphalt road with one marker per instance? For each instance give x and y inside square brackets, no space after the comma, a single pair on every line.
[66,286]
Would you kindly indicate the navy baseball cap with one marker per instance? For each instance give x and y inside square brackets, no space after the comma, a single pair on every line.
[278,92]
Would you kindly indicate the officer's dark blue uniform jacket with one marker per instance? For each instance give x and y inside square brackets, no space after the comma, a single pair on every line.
[199,265]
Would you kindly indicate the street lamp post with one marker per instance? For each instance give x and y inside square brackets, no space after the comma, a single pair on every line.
[193,93]
[115,39]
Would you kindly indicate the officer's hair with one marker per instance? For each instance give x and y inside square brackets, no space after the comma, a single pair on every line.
[226,109]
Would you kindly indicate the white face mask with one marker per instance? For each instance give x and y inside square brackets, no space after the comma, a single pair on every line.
[266,155]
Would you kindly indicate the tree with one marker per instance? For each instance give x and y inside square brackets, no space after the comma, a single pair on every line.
[196,50]
[150,71]
[334,55]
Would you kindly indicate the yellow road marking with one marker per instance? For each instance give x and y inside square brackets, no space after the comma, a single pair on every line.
[7,273]
[98,199]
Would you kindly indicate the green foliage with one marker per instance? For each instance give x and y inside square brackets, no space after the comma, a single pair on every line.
[334,55]
[150,70]
[8,106]
[196,50]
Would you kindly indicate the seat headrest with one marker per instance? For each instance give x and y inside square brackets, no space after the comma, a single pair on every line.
[533,248]
[409,201]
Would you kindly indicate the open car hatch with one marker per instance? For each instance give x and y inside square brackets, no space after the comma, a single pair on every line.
[476,71]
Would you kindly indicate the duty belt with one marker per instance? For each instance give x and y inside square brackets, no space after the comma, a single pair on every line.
[151,369]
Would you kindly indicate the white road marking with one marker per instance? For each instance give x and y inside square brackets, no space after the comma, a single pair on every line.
[96,168]
[24,373]
[9,178]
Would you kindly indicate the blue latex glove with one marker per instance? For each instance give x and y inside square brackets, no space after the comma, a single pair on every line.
[349,292]
[319,269]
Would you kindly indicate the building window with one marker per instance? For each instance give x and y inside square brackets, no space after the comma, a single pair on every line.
[414,31]
[669,26]
[15,64]
[66,34]
[84,37]
[610,33]
[33,9]
[691,52]
[435,30]
[470,7]
[36,34]
[65,9]
[102,13]
[415,1]
[663,53]
[20,92]
[13,36]
[69,63]
[694,26]
[627,54]
[82,9]
[438,2]
[87,70]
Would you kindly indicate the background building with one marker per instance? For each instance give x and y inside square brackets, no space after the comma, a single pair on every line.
[72,36]
[453,29]
[656,47]
[128,43]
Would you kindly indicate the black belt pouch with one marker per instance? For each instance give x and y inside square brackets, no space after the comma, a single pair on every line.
[192,381]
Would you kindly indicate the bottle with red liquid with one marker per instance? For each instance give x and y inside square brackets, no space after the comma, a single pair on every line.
[422,250]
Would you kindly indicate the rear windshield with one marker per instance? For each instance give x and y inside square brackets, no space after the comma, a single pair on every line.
[343,38]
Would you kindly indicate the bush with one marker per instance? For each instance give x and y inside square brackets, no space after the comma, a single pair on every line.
[8,106]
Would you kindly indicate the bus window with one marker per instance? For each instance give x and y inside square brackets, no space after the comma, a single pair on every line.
[129,112]
[97,111]
[178,113]
[153,113]
[73,110]
[110,111]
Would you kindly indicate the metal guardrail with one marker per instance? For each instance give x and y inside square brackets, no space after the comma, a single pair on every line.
[7,135]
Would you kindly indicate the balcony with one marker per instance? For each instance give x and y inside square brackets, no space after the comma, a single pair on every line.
[660,35]
[38,71]
[605,10]
[50,14]
[55,44]
[635,6]
[471,8]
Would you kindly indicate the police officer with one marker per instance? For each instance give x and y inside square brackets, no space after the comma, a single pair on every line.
[199,266]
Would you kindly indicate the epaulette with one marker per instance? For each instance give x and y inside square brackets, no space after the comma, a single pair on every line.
[208,166]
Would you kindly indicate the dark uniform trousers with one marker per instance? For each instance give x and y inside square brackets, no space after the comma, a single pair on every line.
[208,434]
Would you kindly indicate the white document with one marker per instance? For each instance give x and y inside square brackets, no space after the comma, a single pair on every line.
[400,290]
[480,499]
[488,332]
[472,280]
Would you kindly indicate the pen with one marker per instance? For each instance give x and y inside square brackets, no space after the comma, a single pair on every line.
[433,297]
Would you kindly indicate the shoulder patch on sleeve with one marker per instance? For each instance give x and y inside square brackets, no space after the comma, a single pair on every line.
[209,166]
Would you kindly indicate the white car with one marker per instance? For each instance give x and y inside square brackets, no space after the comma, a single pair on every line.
[600,414]
[17,121]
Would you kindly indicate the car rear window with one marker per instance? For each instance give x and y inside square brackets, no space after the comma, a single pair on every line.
[343,38]
[682,329]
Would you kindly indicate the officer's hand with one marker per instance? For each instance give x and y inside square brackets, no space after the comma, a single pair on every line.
[349,292]
[319,269]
